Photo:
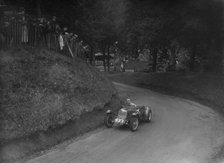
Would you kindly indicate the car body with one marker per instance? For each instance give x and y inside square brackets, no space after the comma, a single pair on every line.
[130,115]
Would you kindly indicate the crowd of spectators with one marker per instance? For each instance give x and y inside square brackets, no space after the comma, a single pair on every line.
[21,29]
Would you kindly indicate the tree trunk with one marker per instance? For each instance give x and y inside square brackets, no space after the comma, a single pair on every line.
[222,57]
[192,59]
[104,59]
[103,49]
[154,55]
[92,57]
[223,62]
[2,2]
[172,64]
[104,62]
[108,58]
[136,53]
[38,4]
[218,53]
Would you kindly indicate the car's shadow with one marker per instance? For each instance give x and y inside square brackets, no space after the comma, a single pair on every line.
[127,128]
[123,128]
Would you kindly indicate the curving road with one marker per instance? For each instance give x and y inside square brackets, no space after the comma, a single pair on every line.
[182,131]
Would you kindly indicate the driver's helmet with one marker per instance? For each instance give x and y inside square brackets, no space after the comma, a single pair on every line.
[130,103]
[128,100]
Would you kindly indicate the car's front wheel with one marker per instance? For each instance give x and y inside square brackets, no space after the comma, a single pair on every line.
[133,124]
[108,120]
[149,116]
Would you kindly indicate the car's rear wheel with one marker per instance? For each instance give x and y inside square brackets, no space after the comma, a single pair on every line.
[134,123]
[149,116]
[108,120]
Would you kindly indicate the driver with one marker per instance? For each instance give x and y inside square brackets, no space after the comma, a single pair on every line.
[131,104]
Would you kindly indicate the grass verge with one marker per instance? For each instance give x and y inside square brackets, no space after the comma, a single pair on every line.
[20,149]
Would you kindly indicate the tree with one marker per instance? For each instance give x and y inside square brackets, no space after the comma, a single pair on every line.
[201,33]
[100,24]
[157,24]
[147,28]
[179,24]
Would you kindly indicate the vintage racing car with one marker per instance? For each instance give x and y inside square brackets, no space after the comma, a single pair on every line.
[130,115]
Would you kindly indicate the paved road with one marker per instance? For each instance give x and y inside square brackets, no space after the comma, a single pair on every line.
[182,131]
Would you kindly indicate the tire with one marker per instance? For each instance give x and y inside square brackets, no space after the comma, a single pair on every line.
[149,116]
[134,123]
[108,120]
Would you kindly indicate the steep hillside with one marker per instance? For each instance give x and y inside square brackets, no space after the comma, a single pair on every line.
[42,89]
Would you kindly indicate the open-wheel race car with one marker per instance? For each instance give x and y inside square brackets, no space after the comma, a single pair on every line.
[130,115]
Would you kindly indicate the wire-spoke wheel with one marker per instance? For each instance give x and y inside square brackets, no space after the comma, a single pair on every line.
[134,122]
[108,120]
[149,116]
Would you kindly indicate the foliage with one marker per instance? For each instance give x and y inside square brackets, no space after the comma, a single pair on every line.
[195,25]
[205,88]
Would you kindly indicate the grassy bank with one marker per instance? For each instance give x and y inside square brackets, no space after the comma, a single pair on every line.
[42,89]
[204,88]
[22,148]
[44,95]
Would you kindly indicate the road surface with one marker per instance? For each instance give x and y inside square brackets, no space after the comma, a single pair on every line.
[182,131]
